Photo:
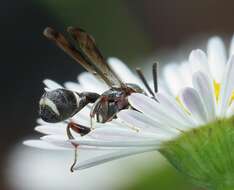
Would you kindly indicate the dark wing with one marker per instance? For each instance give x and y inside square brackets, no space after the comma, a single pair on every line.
[87,54]
[87,44]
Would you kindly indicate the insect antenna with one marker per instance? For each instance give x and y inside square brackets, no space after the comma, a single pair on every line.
[142,77]
[155,76]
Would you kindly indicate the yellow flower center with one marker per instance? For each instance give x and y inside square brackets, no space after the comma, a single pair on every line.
[217,88]
[182,105]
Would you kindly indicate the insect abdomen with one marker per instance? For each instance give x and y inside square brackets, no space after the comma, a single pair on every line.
[60,104]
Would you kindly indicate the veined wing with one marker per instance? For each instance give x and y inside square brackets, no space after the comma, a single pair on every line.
[87,54]
[87,45]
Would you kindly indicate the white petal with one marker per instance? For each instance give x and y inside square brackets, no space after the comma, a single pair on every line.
[87,141]
[41,122]
[52,85]
[110,132]
[82,117]
[163,87]
[194,104]
[90,83]
[216,57]
[82,120]
[55,129]
[227,86]
[155,111]
[122,71]
[73,86]
[231,47]
[171,104]
[230,111]
[198,61]
[109,157]
[123,143]
[172,78]
[141,121]
[59,129]
[43,145]
[58,140]
[185,71]
[54,142]
[205,89]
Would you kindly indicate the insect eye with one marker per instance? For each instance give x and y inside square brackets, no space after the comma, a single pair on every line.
[57,105]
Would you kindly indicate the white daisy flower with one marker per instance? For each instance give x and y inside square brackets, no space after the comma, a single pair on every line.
[188,125]
[195,117]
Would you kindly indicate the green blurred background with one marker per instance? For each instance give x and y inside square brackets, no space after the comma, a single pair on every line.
[134,31]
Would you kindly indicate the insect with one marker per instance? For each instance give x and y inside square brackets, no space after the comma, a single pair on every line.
[61,104]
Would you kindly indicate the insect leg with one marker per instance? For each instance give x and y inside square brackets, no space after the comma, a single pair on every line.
[93,111]
[70,137]
[104,113]
[75,158]
[82,130]
[96,108]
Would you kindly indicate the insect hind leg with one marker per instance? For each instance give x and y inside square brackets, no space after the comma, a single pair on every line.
[80,129]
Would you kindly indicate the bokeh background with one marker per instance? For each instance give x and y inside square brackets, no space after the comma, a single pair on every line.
[137,32]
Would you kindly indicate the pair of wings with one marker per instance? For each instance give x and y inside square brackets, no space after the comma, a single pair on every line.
[85,53]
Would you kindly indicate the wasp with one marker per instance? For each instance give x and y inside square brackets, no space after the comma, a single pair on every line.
[61,104]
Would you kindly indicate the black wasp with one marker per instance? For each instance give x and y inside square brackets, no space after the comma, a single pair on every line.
[61,104]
